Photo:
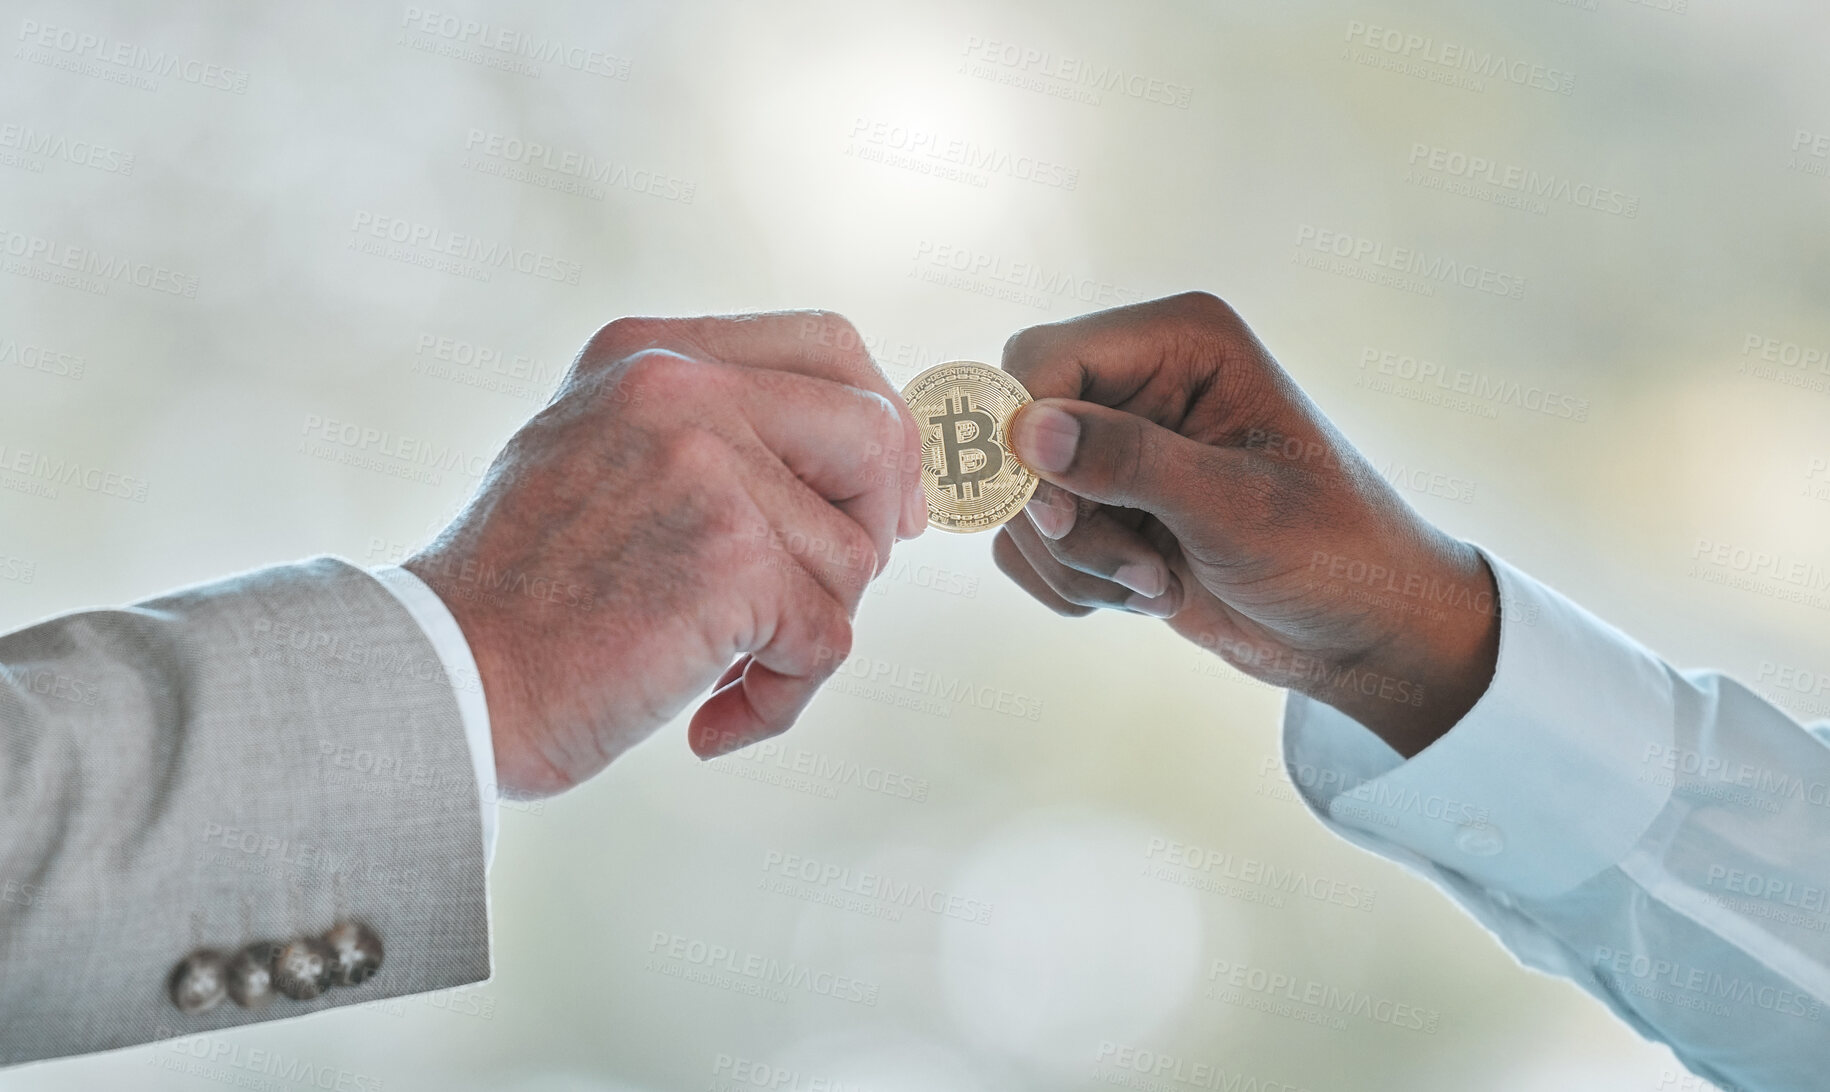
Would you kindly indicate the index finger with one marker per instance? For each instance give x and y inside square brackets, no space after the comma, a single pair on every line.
[1107,356]
[1111,357]
[820,344]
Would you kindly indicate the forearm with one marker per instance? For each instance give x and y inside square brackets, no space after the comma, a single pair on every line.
[255,759]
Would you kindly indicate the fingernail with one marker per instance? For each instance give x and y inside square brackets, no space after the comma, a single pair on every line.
[710,743]
[915,513]
[1045,437]
[1143,578]
[1052,518]
[1156,606]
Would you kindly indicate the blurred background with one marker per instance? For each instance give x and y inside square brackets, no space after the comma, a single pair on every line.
[281,279]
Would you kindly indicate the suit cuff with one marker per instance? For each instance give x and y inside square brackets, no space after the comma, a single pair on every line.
[1543,784]
[460,666]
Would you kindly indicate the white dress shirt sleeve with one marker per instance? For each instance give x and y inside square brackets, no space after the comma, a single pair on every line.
[1660,838]
[466,684]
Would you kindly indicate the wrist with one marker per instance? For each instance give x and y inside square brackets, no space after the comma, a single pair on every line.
[521,769]
[1436,660]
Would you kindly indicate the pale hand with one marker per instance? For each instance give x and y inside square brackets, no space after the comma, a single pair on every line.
[700,506]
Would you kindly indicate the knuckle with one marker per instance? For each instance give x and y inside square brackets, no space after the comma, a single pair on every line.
[1127,458]
[830,330]
[620,337]
[1011,562]
[1089,591]
[1024,347]
[653,365]
[1083,603]
[889,436]
[1205,305]
[1006,556]
[882,415]
[859,552]
[840,326]
[834,641]
[657,376]
[1076,549]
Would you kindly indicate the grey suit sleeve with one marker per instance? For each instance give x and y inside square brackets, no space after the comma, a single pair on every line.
[252,759]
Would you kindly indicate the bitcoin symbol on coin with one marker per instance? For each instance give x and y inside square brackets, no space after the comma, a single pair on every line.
[955,447]
[972,479]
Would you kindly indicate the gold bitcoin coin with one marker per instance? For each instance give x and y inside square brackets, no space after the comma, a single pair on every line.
[968,470]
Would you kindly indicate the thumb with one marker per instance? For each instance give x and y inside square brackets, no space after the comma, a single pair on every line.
[1119,458]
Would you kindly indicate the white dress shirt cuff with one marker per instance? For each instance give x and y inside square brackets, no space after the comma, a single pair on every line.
[466,684]
[1552,777]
